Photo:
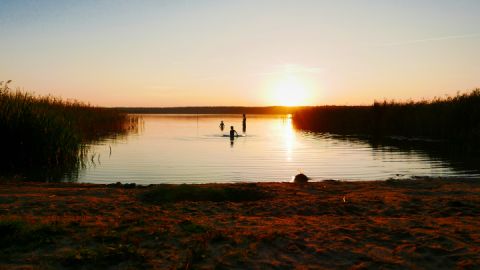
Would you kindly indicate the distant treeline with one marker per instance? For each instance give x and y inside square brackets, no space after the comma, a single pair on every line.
[453,119]
[210,110]
[47,132]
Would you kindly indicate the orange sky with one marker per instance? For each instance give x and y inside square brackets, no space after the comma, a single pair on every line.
[247,53]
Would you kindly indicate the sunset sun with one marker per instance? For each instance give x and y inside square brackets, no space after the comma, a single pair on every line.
[290,91]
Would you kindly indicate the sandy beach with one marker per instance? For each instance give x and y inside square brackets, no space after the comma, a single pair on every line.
[394,224]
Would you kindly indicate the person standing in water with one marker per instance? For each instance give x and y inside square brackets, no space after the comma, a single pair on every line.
[233,133]
[244,124]
[222,125]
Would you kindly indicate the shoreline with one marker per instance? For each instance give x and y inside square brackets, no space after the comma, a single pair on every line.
[421,223]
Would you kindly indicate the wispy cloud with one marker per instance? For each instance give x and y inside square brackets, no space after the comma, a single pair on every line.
[415,41]
[160,88]
[275,70]
[293,68]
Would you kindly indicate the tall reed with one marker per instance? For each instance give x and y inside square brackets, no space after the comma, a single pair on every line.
[452,119]
[47,132]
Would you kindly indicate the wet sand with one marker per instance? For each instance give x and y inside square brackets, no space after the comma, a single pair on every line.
[395,224]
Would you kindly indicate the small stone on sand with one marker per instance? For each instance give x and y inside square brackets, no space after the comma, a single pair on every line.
[300,178]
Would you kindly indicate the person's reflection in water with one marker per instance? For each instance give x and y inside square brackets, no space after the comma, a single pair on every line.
[222,125]
[244,124]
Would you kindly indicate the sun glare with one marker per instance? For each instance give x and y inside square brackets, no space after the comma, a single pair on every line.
[290,91]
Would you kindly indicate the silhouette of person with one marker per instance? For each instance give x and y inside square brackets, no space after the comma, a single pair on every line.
[233,133]
[222,125]
[244,124]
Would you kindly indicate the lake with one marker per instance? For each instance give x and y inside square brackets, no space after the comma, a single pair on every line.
[193,149]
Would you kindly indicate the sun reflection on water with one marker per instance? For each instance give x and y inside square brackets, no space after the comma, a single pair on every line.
[288,136]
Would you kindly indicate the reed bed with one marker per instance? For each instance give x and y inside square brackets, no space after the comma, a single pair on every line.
[451,119]
[44,132]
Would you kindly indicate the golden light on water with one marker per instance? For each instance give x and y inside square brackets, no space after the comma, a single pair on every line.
[289,136]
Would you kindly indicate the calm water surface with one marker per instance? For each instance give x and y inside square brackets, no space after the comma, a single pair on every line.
[192,149]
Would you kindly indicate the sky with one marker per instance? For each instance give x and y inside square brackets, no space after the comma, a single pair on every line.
[242,53]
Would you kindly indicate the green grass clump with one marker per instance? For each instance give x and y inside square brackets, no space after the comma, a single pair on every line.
[191,227]
[177,193]
[47,132]
[103,257]
[18,234]
[453,119]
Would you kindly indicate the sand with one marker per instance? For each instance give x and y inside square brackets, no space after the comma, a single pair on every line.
[400,224]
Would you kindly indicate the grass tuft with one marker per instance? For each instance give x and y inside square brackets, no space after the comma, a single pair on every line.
[103,257]
[192,227]
[20,234]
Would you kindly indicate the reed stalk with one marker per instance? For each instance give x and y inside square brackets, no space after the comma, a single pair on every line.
[44,132]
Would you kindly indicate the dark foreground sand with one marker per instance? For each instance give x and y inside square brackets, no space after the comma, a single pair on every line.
[410,224]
